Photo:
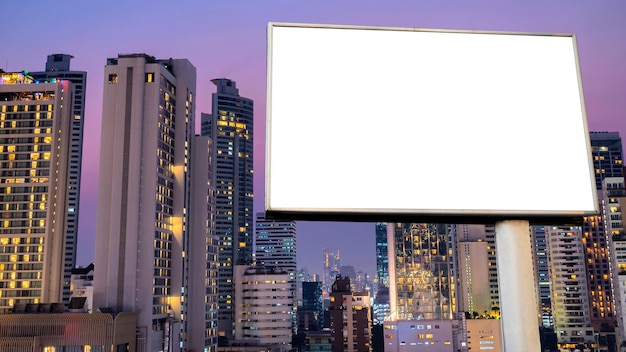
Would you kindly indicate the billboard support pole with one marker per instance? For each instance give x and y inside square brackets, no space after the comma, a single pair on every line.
[518,295]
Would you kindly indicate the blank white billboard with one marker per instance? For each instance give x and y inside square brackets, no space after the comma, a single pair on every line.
[364,120]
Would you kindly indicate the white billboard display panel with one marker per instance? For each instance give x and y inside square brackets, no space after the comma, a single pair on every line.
[364,120]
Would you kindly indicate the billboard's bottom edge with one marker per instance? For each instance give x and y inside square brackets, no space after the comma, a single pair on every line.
[534,219]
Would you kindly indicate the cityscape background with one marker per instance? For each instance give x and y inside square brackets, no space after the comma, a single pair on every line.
[227,39]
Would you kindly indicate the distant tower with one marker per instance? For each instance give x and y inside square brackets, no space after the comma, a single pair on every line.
[58,67]
[230,127]
[350,318]
[381,300]
[382,257]
[154,249]
[332,263]
[35,142]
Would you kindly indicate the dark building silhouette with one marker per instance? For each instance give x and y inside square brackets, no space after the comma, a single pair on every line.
[311,313]
[382,256]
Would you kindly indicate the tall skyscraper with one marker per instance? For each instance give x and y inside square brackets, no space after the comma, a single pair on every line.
[230,127]
[58,68]
[35,135]
[152,220]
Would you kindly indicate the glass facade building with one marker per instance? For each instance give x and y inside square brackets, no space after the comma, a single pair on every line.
[422,273]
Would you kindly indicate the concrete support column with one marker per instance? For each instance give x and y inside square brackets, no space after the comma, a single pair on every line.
[516,280]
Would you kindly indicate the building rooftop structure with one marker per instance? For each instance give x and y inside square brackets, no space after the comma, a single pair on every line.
[45,331]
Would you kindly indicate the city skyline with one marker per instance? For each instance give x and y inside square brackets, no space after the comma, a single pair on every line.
[228,40]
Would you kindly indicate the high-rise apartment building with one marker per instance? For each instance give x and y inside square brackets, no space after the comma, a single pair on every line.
[275,247]
[476,257]
[264,298]
[230,126]
[607,158]
[613,195]
[570,302]
[473,274]
[154,205]
[58,68]
[276,243]
[35,142]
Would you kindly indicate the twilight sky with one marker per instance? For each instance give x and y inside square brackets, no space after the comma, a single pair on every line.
[227,39]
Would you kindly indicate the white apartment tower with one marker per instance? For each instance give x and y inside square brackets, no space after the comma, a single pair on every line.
[153,234]
[35,134]
[570,303]
[474,264]
[58,68]
[265,297]
[275,247]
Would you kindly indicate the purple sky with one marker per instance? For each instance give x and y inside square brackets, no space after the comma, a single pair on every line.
[227,39]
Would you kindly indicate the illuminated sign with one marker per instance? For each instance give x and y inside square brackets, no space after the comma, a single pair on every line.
[380,122]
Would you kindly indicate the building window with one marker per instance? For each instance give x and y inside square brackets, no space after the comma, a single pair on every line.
[149,77]
[113,78]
